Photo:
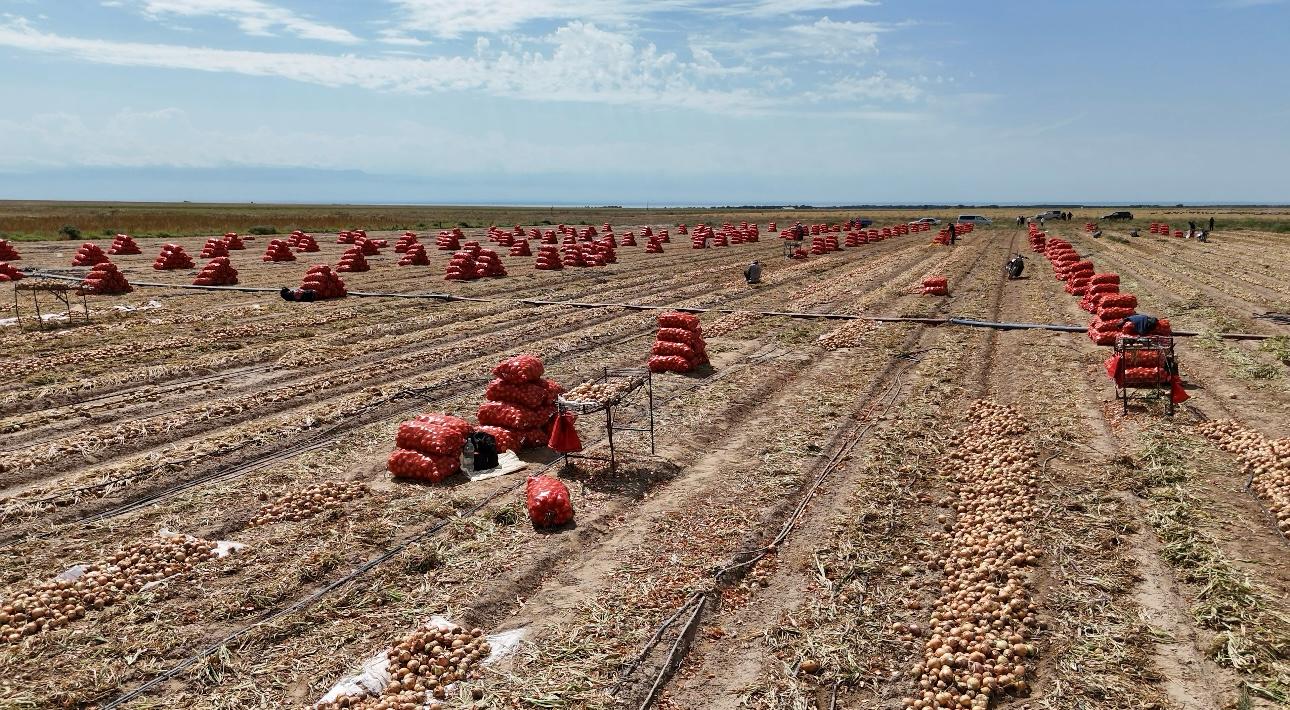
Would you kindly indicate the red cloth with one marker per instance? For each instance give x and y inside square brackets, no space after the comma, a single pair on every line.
[1176,393]
[564,436]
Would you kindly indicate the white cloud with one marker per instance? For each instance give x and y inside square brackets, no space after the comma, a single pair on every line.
[251,16]
[402,39]
[876,87]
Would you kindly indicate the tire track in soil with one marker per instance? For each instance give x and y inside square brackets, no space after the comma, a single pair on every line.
[737,407]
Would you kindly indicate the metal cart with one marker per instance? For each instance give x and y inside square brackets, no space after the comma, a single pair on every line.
[1153,358]
[632,381]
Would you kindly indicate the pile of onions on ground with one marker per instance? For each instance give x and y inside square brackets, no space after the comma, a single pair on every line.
[977,649]
[55,603]
[1266,461]
[308,501]
[423,665]
[731,322]
[850,335]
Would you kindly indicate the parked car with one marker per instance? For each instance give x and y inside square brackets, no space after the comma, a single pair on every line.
[1118,215]
[1050,214]
[926,220]
[973,218]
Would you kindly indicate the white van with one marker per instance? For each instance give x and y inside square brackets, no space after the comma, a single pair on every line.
[973,218]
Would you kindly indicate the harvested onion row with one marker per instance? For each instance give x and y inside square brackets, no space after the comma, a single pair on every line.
[977,649]
[730,322]
[1266,461]
[850,335]
[422,666]
[55,603]
[308,501]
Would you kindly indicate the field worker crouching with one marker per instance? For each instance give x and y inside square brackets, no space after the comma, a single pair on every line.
[752,274]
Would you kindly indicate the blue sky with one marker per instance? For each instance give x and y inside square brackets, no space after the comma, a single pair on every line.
[627,102]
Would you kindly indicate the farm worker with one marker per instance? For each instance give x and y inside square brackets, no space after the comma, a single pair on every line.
[1142,323]
[752,274]
[1191,229]
[1021,221]
[954,235]
[1211,224]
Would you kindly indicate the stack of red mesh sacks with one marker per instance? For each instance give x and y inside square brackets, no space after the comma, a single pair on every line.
[520,247]
[1112,309]
[323,282]
[1077,276]
[699,237]
[428,448]
[353,261]
[520,402]
[9,272]
[855,239]
[404,241]
[90,254]
[414,255]
[172,256]
[7,252]
[654,246]
[1099,284]
[234,242]
[680,346]
[548,258]
[302,242]
[935,286]
[628,240]
[462,267]
[105,279]
[213,248]
[123,245]
[489,263]
[575,255]
[549,237]
[278,250]
[1038,240]
[605,249]
[346,237]
[217,272]
[942,237]
[368,247]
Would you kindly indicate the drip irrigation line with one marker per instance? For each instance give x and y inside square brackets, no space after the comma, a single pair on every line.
[449,297]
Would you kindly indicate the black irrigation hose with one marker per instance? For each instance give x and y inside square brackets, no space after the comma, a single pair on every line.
[968,322]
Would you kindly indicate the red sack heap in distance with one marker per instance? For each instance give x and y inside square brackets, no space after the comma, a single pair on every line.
[105,279]
[90,254]
[548,502]
[935,286]
[307,244]
[213,248]
[353,260]
[653,246]
[628,240]
[680,346]
[124,245]
[368,247]
[217,272]
[9,272]
[323,282]
[428,448]
[520,401]
[7,252]
[489,263]
[461,267]
[278,250]
[415,255]
[404,241]
[520,247]
[346,237]
[447,241]
[232,242]
[548,258]
[172,256]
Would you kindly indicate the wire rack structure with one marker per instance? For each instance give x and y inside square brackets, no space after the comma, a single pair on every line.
[1145,370]
[633,390]
[60,291]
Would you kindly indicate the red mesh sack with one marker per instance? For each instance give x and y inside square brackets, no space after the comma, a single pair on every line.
[676,335]
[668,348]
[418,466]
[669,363]
[1119,300]
[521,368]
[510,416]
[1113,314]
[525,394]
[429,438]
[676,319]
[457,424]
[548,502]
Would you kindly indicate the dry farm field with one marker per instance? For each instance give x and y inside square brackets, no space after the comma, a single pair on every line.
[196,511]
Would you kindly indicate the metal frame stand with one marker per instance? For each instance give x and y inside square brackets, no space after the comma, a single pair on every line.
[1162,386]
[62,292]
[637,379]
